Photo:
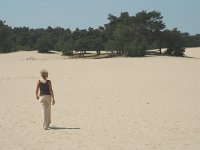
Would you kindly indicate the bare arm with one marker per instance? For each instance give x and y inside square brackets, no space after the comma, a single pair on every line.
[37,90]
[51,91]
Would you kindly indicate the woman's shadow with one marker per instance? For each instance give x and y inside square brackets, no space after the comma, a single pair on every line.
[62,128]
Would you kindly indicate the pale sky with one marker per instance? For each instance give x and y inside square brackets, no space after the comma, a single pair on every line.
[82,14]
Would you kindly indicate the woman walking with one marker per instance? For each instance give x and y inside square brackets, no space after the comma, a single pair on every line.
[44,93]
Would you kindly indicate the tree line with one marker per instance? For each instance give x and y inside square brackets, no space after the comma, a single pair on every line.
[122,35]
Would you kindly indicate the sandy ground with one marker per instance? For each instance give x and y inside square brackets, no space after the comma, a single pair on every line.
[149,103]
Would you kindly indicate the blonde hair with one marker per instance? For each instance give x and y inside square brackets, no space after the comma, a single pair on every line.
[43,72]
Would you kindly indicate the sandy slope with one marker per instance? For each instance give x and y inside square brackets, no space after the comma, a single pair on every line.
[106,104]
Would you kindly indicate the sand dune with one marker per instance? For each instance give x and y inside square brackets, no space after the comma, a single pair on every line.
[149,103]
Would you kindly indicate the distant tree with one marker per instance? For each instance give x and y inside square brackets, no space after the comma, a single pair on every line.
[22,39]
[44,44]
[5,35]
[150,25]
[65,47]
[95,39]
[111,46]
[175,42]
[193,40]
